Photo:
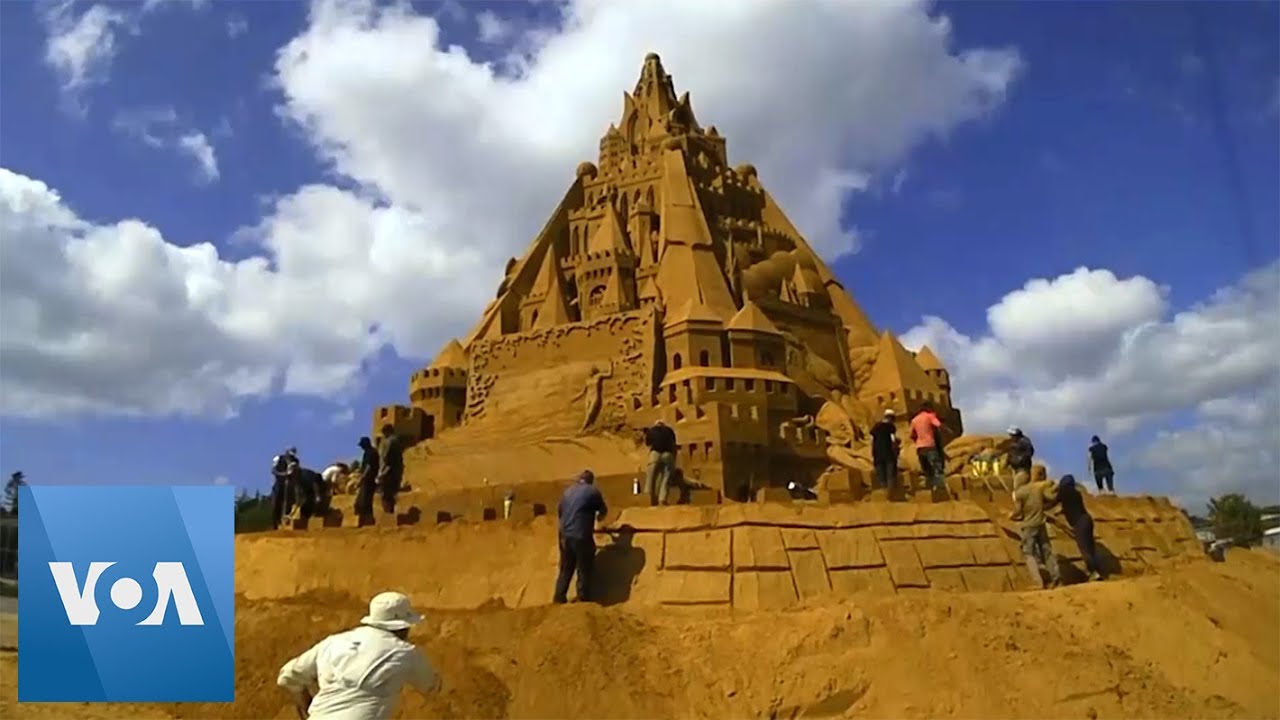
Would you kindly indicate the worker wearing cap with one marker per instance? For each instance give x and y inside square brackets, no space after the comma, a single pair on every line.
[884,450]
[360,672]
[1021,452]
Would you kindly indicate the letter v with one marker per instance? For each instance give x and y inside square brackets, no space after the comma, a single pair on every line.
[81,608]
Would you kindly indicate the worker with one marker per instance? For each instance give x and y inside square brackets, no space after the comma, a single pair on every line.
[369,465]
[1020,455]
[1071,500]
[580,506]
[884,450]
[360,672]
[926,431]
[661,441]
[390,468]
[1100,466]
[281,492]
[1030,500]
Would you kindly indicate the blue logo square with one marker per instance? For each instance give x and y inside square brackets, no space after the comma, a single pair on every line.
[126,594]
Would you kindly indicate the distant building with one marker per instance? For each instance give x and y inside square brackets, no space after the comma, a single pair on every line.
[1271,538]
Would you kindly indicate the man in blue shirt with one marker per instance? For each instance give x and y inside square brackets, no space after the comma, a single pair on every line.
[580,506]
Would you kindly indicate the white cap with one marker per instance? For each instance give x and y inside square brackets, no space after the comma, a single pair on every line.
[888,412]
[390,611]
[1014,430]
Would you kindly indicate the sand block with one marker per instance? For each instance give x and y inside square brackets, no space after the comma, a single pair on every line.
[940,530]
[850,581]
[766,590]
[692,587]
[893,513]
[1066,547]
[698,550]
[810,574]
[987,579]
[799,539]
[852,548]
[943,553]
[675,517]
[904,564]
[759,548]
[894,532]
[951,512]
[948,579]
[989,551]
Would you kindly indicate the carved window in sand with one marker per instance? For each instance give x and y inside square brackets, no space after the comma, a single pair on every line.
[704,359]
[676,361]
[596,297]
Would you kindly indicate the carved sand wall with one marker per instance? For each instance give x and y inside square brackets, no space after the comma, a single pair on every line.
[548,374]
[741,555]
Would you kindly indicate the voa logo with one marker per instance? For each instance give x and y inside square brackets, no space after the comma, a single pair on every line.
[172,587]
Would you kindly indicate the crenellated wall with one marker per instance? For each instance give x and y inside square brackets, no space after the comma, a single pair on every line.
[740,555]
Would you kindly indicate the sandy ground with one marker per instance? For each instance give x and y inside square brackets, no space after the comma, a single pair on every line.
[1200,641]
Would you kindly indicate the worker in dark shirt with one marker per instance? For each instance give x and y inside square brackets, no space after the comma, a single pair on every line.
[390,468]
[580,507]
[368,478]
[1100,466]
[884,450]
[1072,502]
[1021,454]
[661,441]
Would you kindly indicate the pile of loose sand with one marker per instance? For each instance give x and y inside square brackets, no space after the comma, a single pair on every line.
[1197,641]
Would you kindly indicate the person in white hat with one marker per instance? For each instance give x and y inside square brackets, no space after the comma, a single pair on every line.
[360,672]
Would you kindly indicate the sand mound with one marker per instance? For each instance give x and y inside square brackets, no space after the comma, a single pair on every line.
[1197,641]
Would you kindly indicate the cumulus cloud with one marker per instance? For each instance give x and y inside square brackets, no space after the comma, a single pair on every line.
[1093,352]
[455,166]
[114,319]
[492,29]
[1233,446]
[818,96]
[160,128]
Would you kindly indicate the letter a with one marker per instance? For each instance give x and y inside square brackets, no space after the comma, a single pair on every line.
[80,605]
[171,580]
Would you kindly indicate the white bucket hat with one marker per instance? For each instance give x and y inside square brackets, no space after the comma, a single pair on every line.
[390,611]
[1014,429]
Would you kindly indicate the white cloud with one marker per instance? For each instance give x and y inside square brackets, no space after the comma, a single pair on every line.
[343,416]
[113,319]
[430,129]
[222,480]
[161,128]
[1234,446]
[237,25]
[197,146]
[456,168]
[1094,352]
[492,29]
[80,47]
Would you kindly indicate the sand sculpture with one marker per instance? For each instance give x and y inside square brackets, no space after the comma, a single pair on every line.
[668,284]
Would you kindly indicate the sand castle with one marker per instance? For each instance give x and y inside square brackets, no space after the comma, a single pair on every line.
[666,284]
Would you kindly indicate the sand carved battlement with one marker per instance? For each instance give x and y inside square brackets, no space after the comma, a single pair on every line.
[770,555]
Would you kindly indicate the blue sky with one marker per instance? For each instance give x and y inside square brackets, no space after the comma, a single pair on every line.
[1135,138]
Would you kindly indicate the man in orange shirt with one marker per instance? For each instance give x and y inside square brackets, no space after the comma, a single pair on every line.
[926,431]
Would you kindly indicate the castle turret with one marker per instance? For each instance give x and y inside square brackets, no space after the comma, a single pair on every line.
[692,336]
[440,390]
[933,367]
[754,341]
[606,275]
[897,381]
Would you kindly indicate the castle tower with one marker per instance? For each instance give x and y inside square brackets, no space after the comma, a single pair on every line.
[545,305]
[754,342]
[440,390]
[933,367]
[692,337]
[606,275]
[897,381]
